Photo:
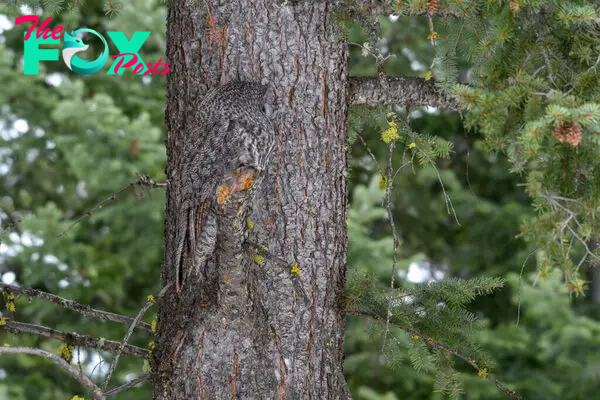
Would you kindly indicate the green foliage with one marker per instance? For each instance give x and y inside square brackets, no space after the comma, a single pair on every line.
[56,7]
[492,59]
[485,243]
[364,211]
[69,142]
[550,334]
[436,311]
[533,82]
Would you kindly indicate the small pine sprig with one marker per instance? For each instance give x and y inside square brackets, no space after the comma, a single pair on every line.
[53,7]
[111,9]
[577,15]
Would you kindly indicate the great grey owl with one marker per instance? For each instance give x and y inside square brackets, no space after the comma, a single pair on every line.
[223,159]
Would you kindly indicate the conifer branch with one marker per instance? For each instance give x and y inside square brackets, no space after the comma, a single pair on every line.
[398,90]
[75,339]
[127,386]
[555,205]
[391,8]
[82,309]
[482,372]
[142,182]
[79,376]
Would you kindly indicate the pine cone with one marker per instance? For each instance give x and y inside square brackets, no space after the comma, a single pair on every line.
[569,132]
[432,6]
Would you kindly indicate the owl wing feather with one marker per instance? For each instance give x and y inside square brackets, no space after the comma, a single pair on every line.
[208,158]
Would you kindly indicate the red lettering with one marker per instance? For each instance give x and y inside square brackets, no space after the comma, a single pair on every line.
[138,68]
[148,71]
[130,63]
[56,32]
[151,67]
[155,71]
[43,30]
[27,18]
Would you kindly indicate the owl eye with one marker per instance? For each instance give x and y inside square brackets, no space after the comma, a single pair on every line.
[263,108]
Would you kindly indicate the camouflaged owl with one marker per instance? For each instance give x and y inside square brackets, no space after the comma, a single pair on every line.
[220,162]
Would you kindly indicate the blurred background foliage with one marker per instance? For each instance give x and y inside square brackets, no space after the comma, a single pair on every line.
[69,141]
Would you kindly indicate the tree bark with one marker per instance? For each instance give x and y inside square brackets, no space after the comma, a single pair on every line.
[259,330]
[413,91]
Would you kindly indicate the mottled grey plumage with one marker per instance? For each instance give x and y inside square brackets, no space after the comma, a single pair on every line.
[223,158]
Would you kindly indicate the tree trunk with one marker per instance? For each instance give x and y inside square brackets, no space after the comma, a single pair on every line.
[261,331]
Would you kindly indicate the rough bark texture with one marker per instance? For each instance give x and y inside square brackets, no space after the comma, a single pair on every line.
[411,91]
[259,331]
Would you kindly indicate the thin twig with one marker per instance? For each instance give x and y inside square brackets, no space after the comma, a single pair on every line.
[554,203]
[142,181]
[449,206]
[547,61]
[97,366]
[82,309]
[75,339]
[79,358]
[396,243]
[519,287]
[79,377]
[384,85]
[368,149]
[431,31]
[581,262]
[406,164]
[563,198]
[583,243]
[127,385]
[136,320]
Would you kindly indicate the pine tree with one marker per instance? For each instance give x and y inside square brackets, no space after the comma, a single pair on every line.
[523,74]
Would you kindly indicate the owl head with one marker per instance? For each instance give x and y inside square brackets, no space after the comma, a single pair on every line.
[253,92]
[238,95]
